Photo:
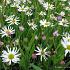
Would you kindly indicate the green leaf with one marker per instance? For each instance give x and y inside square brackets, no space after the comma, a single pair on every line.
[35,67]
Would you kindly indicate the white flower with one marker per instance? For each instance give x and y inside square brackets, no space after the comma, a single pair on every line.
[7,31]
[51,6]
[29,13]
[11,55]
[66,43]
[41,1]
[52,17]
[15,3]
[23,8]
[7,1]
[63,22]
[42,53]
[67,8]
[27,10]
[42,13]
[45,5]
[62,13]
[44,23]
[25,1]
[21,28]
[12,20]
[69,2]
[32,24]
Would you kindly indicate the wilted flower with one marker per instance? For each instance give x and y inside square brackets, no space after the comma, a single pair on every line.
[44,37]
[59,18]
[62,62]
[1,43]
[16,42]
[36,37]
[21,28]
[34,56]
[55,33]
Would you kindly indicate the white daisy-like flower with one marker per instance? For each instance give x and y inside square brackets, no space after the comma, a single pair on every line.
[12,20]
[62,13]
[44,23]
[51,6]
[15,3]
[32,24]
[25,1]
[23,8]
[63,22]
[41,1]
[45,5]
[29,11]
[42,53]
[42,13]
[7,1]
[11,55]
[7,31]
[66,43]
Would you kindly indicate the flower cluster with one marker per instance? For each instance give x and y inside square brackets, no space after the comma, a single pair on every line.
[34,34]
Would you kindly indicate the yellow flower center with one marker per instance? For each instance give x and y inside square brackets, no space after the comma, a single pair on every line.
[46,24]
[11,56]
[8,32]
[22,9]
[68,39]
[14,20]
[68,47]
[42,52]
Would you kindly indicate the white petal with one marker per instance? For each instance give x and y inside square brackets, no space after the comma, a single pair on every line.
[66,51]
[38,48]
[38,54]
[64,45]
[10,62]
